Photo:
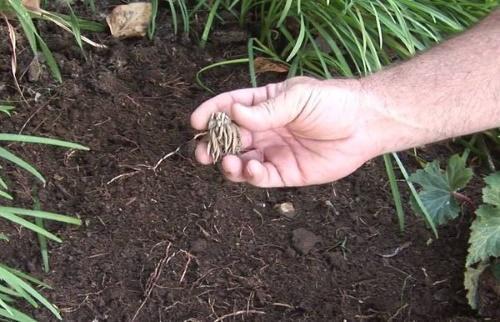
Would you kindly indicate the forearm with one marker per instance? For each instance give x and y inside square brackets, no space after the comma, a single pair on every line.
[448,91]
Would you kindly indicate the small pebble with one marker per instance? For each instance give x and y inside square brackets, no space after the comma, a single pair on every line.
[286,209]
[304,240]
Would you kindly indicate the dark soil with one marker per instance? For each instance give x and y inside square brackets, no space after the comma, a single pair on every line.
[174,241]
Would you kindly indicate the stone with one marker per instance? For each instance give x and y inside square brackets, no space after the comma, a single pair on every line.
[304,240]
[286,209]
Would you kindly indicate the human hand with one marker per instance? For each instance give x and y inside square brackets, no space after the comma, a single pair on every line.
[299,132]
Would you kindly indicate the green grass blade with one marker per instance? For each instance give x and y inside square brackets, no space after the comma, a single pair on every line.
[9,156]
[24,19]
[29,225]
[42,214]
[8,291]
[284,12]
[90,4]
[251,63]
[185,16]
[173,12]
[3,185]
[26,277]
[396,195]
[319,54]
[6,109]
[218,64]
[75,27]
[40,140]
[16,315]
[5,195]
[300,40]
[84,24]
[209,23]
[415,195]
[42,240]
[49,59]
[17,282]
[6,307]
[6,298]
[152,22]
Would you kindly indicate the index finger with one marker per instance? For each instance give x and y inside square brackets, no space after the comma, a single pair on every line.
[225,101]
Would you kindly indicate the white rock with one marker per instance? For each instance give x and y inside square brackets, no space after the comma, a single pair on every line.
[285,209]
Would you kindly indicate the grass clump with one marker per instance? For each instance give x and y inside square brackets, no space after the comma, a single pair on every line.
[25,16]
[16,285]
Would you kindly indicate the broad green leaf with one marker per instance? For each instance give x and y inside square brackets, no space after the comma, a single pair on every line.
[4,237]
[440,204]
[495,269]
[457,174]
[471,281]
[439,187]
[491,193]
[484,239]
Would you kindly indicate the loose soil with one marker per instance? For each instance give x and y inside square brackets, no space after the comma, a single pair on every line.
[171,240]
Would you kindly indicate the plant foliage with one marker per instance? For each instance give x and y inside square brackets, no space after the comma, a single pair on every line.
[439,188]
[15,285]
[484,239]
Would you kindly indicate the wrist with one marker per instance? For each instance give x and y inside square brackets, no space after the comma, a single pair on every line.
[391,121]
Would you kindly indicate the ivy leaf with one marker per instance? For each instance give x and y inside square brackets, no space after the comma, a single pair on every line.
[484,239]
[439,187]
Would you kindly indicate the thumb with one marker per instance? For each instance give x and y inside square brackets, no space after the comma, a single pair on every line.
[270,114]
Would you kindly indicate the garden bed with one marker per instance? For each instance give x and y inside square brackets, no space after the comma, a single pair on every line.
[207,247]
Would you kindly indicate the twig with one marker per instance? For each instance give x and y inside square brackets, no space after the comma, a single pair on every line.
[189,256]
[464,198]
[123,175]
[238,313]
[153,278]
[396,251]
[13,61]
[398,311]
[166,156]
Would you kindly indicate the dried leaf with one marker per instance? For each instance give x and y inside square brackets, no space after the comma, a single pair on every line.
[471,281]
[130,20]
[31,4]
[265,65]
